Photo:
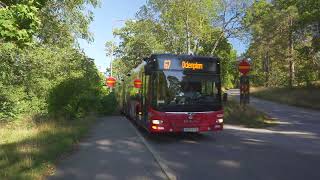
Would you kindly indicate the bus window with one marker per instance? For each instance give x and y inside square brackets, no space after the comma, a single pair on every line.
[161,90]
[177,91]
[153,90]
[209,88]
[145,84]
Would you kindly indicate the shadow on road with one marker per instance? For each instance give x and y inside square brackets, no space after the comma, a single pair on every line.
[112,151]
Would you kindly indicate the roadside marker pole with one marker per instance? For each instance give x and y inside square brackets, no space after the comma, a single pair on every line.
[244,68]
[244,91]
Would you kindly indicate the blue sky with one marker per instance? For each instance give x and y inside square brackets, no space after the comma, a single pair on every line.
[101,27]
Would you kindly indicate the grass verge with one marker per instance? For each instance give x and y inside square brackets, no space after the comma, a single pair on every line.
[28,150]
[308,97]
[248,117]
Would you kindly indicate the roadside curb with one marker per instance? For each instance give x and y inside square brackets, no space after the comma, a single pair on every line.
[165,169]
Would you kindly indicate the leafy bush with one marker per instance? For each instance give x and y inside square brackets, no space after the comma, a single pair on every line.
[108,104]
[249,116]
[49,79]
[74,98]
[12,102]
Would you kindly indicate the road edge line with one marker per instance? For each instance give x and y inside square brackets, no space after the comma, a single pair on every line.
[165,169]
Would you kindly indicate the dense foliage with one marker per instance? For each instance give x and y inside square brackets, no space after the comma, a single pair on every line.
[41,71]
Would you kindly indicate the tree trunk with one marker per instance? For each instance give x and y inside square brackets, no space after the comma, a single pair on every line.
[291,58]
[267,69]
[188,35]
[292,73]
[196,47]
[216,43]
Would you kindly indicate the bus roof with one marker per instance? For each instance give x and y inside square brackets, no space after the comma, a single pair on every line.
[182,56]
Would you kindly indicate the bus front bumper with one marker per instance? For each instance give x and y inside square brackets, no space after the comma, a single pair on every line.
[195,129]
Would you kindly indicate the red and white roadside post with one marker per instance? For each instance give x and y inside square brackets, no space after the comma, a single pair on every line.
[137,83]
[244,69]
[111,82]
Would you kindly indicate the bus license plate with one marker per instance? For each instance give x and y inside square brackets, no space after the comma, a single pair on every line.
[190,129]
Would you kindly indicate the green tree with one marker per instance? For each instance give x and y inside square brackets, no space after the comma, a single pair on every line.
[41,70]
[282,45]
[19,23]
[179,26]
[64,21]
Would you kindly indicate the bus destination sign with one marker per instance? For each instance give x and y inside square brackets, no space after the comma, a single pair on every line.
[187,65]
[191,65]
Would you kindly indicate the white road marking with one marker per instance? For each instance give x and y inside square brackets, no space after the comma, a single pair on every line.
[267,131]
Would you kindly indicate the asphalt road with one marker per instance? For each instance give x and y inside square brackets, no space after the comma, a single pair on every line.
[112,151]
[290,151]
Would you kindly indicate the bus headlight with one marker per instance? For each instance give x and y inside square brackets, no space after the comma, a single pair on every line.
[155,121]
[220,121]
[219,118]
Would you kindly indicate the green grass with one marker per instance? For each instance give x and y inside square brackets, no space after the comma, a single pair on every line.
[29,150]
[308,97]
[248,117]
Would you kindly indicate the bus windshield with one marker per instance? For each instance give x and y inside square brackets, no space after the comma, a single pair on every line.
[181,92]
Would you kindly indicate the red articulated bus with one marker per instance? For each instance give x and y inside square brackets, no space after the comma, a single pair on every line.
[179,93]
